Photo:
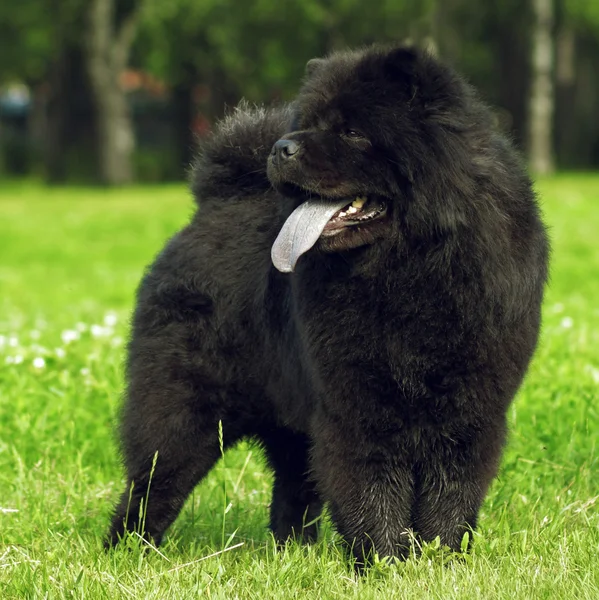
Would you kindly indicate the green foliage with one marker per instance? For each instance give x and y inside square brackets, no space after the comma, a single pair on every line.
[33,32]
[257,49]
[70,260]
[582,13]
[155,165]
[262,45]
[26,40]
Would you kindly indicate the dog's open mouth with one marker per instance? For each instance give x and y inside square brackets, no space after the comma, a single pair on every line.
[321,217]
[359,212]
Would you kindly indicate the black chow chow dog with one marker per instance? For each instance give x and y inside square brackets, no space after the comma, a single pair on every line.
[359,291]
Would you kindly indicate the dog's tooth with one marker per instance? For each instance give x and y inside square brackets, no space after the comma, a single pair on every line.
[359,202]
[352,209]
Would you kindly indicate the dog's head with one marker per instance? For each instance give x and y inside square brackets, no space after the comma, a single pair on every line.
[367,127]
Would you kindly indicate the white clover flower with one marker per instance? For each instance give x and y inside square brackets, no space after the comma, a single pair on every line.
[13,341]
[69,335]
[81,327]
[567,322]
[85,371]
[100,331]
[35,334]
[593,372]
[39,362]
[2,341]
[97,330]
[9,360]
[18,359]
[110,319]
[60,352]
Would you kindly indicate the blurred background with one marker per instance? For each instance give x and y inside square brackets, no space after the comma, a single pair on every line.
[114,91]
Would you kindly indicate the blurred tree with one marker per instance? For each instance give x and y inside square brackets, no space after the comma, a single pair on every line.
[213,52]
[541,99]
[111,29]
[577,84]
[44,53]
[71,53]
[175,45]
[210,53]
[29,38]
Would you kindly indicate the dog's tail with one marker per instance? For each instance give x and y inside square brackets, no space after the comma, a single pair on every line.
[232,160]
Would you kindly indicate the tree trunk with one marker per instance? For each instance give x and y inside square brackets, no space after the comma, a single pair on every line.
[53,140]
[63,125]
[184,114]
[567,111]
[115,136]
[108,45]
[541,101]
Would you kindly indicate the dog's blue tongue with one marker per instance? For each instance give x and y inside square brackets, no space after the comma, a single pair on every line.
[301,230]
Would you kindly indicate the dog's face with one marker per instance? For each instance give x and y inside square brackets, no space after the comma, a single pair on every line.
[331,153]
[361,131]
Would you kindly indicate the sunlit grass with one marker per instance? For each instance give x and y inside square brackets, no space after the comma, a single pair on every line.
[69,263]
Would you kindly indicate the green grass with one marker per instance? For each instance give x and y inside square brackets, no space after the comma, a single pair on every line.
[69,263]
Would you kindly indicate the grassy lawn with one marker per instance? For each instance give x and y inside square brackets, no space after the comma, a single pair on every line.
[69,263]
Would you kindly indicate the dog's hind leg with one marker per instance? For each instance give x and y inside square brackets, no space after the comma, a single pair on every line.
[170,440]
[295,504]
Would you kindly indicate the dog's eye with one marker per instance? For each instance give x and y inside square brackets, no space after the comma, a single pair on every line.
[356,136]
[352,133]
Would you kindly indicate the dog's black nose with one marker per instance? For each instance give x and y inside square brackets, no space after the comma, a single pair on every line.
[284,149]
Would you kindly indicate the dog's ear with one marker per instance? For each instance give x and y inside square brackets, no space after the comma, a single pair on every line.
[401,66]
[313,65]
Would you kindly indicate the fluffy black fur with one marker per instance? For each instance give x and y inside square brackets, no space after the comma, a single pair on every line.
[378,375]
